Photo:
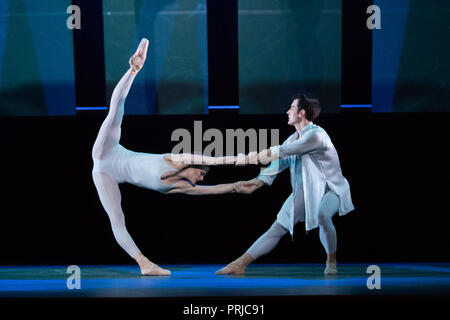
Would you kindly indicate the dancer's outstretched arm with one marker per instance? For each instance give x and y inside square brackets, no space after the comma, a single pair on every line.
[245,187]
[306,144]
[186,188]
[266,177]
[109,133]
[198,159]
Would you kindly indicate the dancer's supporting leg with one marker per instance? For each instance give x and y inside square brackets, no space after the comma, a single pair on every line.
[328,207]
[110,197]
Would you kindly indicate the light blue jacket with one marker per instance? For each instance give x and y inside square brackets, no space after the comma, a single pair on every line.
[314,165]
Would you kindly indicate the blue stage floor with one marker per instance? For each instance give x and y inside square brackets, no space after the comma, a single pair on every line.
[200,281]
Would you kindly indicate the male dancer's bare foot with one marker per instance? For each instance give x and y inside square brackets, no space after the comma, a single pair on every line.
[330,269]
[237,267]
[331,265]
[149,268]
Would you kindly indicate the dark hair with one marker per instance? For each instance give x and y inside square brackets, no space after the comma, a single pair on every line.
[194,166]
[311,105]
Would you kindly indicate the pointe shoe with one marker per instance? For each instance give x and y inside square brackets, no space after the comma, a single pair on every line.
[137,60]
[149,268]
[154,270]
[330,269]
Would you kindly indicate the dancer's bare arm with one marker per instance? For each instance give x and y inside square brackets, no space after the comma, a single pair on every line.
[186,188]
[306,144]
[198,159]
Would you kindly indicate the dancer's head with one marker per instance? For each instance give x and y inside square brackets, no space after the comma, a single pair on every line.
[303,107]
[195,173]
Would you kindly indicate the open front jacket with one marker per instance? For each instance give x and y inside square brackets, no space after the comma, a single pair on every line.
[314,165]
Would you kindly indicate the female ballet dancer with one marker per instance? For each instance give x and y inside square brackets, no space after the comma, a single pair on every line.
[165,173]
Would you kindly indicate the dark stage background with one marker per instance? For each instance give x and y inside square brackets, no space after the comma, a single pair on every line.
[395,163]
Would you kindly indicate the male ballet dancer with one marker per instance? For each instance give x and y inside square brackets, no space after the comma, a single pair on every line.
[319,189]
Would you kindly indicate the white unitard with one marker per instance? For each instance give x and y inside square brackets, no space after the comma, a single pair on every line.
[113,164]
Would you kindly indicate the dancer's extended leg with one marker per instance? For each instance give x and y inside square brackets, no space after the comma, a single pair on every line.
[109,133]
[268,240]
[110,197]
[262,246]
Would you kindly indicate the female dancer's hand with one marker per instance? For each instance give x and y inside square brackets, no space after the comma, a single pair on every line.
[247,187]
[253,157]
[241,160]
[137,60]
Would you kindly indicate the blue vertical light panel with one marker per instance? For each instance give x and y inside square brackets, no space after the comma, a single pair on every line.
[174,78]
[387,44]
[36,58]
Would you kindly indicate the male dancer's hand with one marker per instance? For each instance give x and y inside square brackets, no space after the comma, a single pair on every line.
[243,160]
[137,60]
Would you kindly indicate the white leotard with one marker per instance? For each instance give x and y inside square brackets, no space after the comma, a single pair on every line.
[138,168]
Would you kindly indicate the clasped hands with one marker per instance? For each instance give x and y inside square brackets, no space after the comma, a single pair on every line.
[243,160]
[264,158]
[247,187]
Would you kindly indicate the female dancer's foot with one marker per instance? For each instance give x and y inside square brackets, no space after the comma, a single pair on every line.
[237,267]
[138,59]
[149,268]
